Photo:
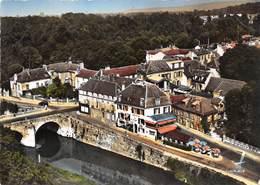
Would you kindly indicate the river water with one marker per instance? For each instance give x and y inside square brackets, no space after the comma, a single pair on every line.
[102,166]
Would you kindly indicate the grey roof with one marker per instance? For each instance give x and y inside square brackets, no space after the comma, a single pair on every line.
[63,67]
[106,85]
[100,87]
[196,71]
[197,105]
[29,75]
[224,85]
[149,93]
[156,67]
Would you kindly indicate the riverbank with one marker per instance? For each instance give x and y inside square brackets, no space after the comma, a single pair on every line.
[125,144]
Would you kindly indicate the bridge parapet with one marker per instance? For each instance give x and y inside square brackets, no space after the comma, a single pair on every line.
[28,128]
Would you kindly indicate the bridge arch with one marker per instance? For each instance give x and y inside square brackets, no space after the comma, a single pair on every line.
[28,128]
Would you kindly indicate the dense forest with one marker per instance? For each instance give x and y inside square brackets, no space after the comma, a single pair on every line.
[243,106]
[100,41]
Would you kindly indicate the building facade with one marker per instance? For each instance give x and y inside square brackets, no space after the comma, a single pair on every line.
[22,83]
[144,109]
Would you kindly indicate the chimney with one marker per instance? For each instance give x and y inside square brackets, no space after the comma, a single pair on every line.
[28,71]
[15,77]
[81,65]
[44,66]
[123,86]
[70,60]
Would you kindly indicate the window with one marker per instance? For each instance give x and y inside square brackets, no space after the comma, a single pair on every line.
[152,133]
[140,121]
[84,109]
[156,110]
[142,112]
[166,109]
[27,86]
[157,101]
[125,108]
[37,84]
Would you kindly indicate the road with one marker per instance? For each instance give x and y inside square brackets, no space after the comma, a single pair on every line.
[251,167]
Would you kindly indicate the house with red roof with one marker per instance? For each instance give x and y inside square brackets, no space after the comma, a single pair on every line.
[83,76]
[172,51]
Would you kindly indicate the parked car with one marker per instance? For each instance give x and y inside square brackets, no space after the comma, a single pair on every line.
[44,103]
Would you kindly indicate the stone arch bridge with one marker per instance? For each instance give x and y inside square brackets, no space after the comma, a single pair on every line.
[28,128]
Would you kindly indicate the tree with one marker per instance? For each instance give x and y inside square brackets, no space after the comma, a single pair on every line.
[31,57]
[241,63]
[241,123]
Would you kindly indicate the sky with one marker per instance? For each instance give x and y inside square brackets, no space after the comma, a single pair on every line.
[57,7]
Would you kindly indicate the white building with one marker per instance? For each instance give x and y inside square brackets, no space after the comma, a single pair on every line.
[23,82]
[83,76]
[145,109]
[98,96]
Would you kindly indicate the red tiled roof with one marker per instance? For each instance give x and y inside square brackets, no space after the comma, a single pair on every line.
[122,71]
[177,98]
[176,52]
[178,136]
[169,52]
[152,52]
[166,129]
[86,73]
[186,59]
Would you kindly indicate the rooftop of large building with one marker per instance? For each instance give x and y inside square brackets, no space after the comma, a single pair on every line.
[29,75]
[155,67]
[194,104]
[122,71]
[63,67]
[86,73]
[106,85]
[224,85]
[143,94]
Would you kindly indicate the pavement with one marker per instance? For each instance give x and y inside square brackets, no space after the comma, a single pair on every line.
[34,102]
[251,155]
[35,112]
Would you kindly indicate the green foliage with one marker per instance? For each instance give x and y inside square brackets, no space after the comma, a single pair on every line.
[241,115]
[241,63]
[101,41]
[20,170]
[40,91]
[4,106]
[243,107]
[59,90]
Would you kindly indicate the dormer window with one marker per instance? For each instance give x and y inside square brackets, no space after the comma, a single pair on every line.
[120,97]
[141,101]
[157,101]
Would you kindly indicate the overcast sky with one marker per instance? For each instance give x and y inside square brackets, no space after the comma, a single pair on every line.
[55,7]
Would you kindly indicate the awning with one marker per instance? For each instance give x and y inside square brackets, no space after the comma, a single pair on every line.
[161,119]
[166,129]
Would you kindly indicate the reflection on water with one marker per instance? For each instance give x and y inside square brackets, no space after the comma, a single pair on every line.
[102,166]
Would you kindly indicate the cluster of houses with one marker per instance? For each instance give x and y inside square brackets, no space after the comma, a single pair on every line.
[250,17]
[173,85]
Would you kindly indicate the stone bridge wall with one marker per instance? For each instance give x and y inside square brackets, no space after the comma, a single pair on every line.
[93,134]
